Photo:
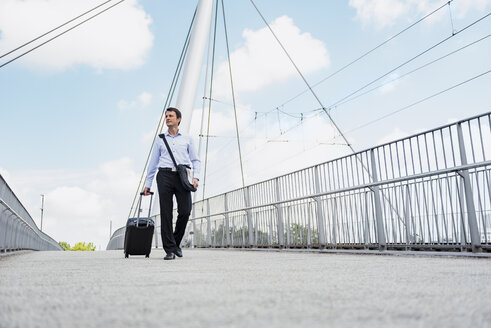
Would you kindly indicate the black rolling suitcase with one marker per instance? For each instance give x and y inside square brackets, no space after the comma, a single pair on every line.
[139,233]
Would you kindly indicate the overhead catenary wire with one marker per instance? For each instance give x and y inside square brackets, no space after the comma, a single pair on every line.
[420,101]
[413,70]
[300,114]
[410,60]
[54,29]
[398,110]
[60,34]
[247,155]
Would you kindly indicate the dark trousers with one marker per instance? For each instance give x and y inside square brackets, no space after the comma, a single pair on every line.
[168,184]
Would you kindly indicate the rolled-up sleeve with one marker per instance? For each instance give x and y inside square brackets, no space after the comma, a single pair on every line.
[193,156]
[153,164]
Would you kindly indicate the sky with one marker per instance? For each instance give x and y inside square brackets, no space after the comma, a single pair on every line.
[78,114]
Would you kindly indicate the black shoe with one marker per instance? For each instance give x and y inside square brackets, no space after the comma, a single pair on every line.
[169,256]
[178,252]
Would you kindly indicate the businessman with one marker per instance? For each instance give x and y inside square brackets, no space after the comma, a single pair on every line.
[168,182]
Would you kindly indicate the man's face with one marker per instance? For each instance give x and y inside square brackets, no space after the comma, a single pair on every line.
[171,119]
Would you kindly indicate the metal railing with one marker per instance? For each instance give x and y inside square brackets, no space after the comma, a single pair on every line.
[17,229]
[431,190]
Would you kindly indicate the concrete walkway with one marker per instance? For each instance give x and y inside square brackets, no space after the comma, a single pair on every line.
[233,288]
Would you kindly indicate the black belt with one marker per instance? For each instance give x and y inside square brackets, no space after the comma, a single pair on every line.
[169,169]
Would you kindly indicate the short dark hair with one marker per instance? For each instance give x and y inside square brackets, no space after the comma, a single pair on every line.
[175,110]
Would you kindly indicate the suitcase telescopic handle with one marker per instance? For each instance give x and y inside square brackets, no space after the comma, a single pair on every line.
[140,206]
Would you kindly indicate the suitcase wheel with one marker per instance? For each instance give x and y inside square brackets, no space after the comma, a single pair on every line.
[125,255]
[147,255]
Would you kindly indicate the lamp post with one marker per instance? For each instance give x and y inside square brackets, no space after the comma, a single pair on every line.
[42,211]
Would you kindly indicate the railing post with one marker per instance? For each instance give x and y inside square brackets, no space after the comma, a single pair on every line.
[378,205]
[321,227]
[471,209]
[406,217]
[250,224]
[156,233]
[193,245]
[208,224]
[193,240]
[279,212]
[227,222]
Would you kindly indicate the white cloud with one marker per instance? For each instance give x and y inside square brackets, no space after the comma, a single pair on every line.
[390,83]
[117,39]
[261,61]
[379,12]
[383,13]
[462,7]
[144,99]
[148,136]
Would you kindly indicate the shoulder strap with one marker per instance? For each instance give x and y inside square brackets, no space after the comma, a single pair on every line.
[168,149]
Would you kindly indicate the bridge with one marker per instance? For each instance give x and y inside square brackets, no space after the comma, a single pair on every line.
[363,240]
[398,234]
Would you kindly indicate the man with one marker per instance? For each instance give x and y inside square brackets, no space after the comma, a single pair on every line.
[168,182]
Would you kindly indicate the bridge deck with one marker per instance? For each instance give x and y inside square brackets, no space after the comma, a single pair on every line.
[231,288]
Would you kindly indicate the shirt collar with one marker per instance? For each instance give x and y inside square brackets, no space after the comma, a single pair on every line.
[167,134]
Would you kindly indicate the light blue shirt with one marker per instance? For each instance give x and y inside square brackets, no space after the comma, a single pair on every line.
[184,152]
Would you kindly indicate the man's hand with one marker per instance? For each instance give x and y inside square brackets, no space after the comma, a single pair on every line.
[146,191]
[195,183]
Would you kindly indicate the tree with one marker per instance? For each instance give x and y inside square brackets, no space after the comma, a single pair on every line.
[64,245]
[299,235]
[81,246]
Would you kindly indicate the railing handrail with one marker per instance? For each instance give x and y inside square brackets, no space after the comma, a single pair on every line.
[16,198]
[362,186]
[353,154]
[36,231]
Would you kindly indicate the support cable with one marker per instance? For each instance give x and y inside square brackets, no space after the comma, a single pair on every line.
[370,51]
[60,26]
[305,80]
[233,95]
[205,98]
[170,95]
[58,35]
[211,92]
